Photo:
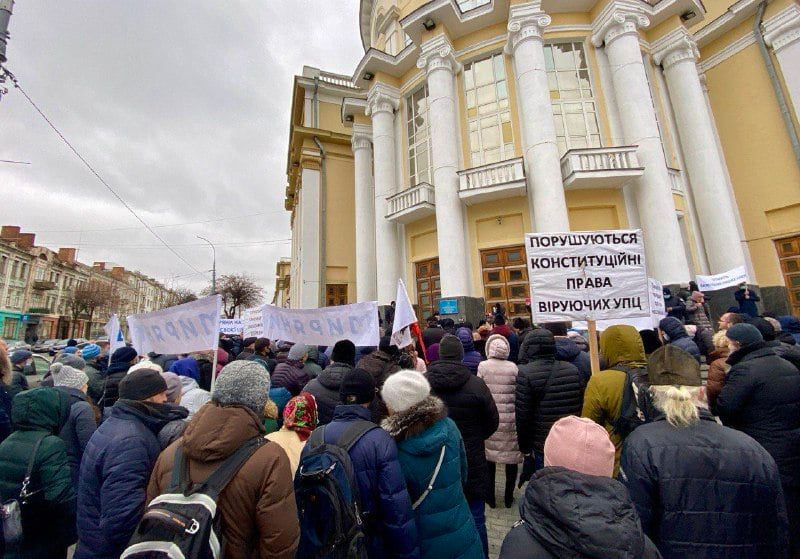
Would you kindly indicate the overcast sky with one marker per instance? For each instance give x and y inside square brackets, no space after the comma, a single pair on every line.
[182,106]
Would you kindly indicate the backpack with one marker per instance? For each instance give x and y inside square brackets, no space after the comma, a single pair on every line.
[326,490]
[630,412]
[183,523]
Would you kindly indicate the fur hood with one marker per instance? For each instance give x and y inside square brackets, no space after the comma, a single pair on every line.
[415,419]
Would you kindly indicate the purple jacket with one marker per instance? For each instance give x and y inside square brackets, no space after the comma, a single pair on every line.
[471,358]
[290,375]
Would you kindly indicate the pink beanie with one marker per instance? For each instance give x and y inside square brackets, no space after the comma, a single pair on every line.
[579,444]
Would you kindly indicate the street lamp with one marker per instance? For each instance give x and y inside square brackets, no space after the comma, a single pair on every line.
[214,265]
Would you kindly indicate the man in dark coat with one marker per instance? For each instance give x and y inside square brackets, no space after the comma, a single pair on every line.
[675,305]
[381,363]
[117,464]
[747,300]
[390,528]
[547,390]
[567,350]
[81,425]
[121,360]
[675,333]
[19,382]
[291,374]
[761,397]
[686,473]
[471,406]
[325,388]
[433,334]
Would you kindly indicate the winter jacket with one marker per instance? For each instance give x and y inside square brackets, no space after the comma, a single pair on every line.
[471,358]
[110,389]
[192,396]
[676,332]
[291,444]
[78,429]
[380,365]
[471,406]
[747,305]
[445,526]
[172,431]
[114,471]
[50,523]
[705,491]
[6,425]
[96,382]
[570,514]
[622,347]
[19,382]
[538,405]
[163,360]
[500,375]
[385,505]
[567,350]
[186,367]
[290,375]
[311,366]
[791,324]
[432,335]
[325,388]
[259,513]
[677,306]
[717,371]
[696,314]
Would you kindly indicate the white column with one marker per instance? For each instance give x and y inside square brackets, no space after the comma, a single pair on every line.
[310,240]
[678,55]
[546,200]
[617,28]
[382,102]
[440,65]
[366,287]
[782,33]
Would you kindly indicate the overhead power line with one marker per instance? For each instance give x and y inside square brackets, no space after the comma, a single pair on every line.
[94,172]
[228,244]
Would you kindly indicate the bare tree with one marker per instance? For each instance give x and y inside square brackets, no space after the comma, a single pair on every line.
[88,298]
[239,291]
[180,296]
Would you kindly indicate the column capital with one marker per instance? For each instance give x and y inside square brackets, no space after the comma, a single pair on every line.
[783,29]
[438,54]
[362,137]
[382,98]
[618,18]
[525,21]
[674,47]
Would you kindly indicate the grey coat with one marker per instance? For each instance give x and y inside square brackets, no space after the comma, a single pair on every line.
[78,429]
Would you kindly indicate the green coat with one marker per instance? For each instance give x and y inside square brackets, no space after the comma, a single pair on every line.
[38,413]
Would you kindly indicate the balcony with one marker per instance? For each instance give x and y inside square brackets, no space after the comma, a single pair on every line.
[610,167]
[412,204]
[42,285]
[676,181]
[494,181]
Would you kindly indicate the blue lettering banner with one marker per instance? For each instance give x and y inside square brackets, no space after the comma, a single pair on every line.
[181,329]
[326,326]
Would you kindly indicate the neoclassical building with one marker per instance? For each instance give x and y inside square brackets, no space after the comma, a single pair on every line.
[468,123]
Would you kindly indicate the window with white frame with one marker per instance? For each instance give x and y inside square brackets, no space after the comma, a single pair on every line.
[419,137]
[574,105]
[488,118]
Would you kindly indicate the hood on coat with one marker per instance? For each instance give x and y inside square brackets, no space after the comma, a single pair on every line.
[566,349]
[331,377]
[790,324]
[497,347]
[153,416]
[404,426]
[187,384]
[538,344]
[186,368]
[464,335]
[577,515]
[673,328]
[447,376]
[216,432]
[40,409]
[622,344]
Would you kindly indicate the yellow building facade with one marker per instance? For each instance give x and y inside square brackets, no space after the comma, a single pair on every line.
[468,123]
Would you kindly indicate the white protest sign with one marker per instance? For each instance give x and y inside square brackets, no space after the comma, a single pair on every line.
[594,275]
[404,317]
[730,278]
[657,311]
[326,326]
[231,325]
[181,329]
[253,323]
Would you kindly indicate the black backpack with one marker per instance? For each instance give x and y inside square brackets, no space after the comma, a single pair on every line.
[183,523]
[631,413]
[331,525]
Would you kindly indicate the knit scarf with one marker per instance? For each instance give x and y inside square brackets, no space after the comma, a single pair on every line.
[415,419]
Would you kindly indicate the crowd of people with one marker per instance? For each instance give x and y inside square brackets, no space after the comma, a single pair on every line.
[348,451]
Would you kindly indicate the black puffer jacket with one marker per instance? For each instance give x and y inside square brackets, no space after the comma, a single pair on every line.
[325,388]
[705,491]
[471,405]
[569,514]
[537,410]
[290,375]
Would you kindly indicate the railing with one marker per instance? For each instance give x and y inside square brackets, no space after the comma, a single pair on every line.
[336,79]
[494,174]
[43,285]
[414,196]
[599,159]
[676,180]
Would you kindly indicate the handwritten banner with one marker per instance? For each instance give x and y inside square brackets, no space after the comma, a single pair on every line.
[730,278]
[326,326]
[184,328]
[231,326]
[253,323]
[657,311]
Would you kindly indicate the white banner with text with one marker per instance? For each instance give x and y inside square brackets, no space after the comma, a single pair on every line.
[657,312]
[731,278]
[181,329]
[231,326]
[326,326]
[253,322]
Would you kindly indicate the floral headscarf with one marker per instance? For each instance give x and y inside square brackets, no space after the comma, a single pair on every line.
[300,415]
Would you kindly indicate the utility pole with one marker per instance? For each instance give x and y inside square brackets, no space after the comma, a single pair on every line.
[214,265]
[6,7]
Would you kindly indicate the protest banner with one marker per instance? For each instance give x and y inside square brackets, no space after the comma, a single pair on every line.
[731,278]
[184,328]
[253,323]
[231,326]
[115,338]
[325,326]
[404,317]
[657,312]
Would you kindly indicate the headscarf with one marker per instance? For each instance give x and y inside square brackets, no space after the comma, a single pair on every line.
[300,415]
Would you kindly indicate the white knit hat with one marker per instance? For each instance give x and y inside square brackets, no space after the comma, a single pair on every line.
[64,375]
[146,364]
[405,389]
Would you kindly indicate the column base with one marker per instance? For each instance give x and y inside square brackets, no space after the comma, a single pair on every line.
[467,309]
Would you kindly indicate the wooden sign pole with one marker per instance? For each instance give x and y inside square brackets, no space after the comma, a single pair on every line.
[594,349]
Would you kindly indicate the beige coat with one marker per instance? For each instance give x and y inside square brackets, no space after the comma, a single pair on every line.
[290,443]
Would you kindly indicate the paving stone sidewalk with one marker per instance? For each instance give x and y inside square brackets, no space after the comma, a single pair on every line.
[500,520]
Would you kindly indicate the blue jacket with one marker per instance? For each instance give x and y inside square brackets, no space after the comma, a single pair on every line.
[567,350]
[791,324]
[444,522]
[705,491]
[78,429]
[390,527]
[115,469]
[676,331]
[186,367]
[472,358]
